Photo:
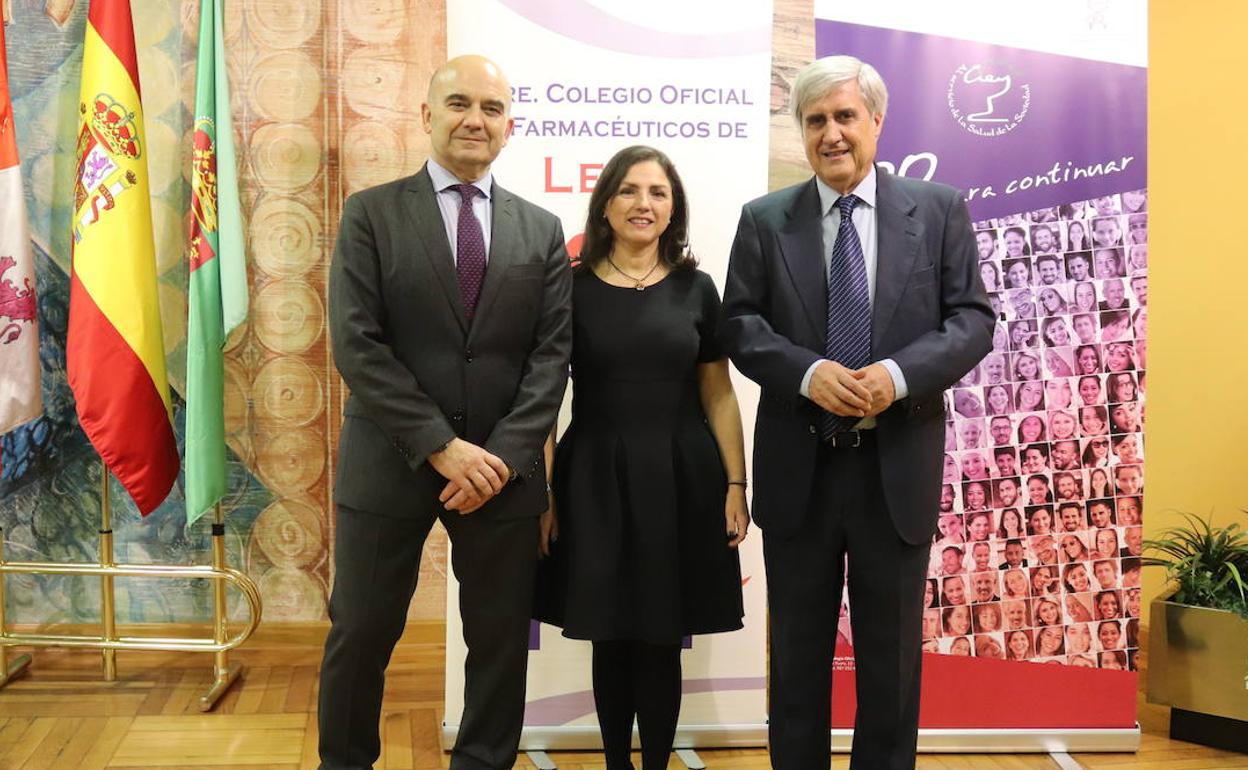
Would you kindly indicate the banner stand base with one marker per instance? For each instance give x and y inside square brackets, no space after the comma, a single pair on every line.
[542,761]
[1065,761]
[1017,741]
[538,740]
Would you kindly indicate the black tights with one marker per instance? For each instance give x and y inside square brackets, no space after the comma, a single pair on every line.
[641,680]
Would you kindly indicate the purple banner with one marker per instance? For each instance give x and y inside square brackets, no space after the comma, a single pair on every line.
[1015,130]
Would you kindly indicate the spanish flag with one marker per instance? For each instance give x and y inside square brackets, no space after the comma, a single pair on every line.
[115,351]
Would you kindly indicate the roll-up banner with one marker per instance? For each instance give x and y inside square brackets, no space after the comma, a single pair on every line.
[1037,112]
[588,79]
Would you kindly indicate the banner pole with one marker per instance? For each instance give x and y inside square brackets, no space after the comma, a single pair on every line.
[108,605]
[223,673]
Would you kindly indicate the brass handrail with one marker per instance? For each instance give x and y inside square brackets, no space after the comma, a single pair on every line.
[244,584]
[108,642]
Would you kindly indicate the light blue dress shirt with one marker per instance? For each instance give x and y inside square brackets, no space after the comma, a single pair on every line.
[449,202]
[866,223]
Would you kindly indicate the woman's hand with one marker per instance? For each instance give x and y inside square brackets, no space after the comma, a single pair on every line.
[549,530]
[736,515]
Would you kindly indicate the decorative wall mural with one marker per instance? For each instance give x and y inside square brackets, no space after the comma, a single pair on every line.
[326,97]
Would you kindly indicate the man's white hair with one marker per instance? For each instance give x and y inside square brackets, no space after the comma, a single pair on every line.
[822,76]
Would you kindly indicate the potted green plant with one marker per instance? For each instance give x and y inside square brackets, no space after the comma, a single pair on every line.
[1198,639]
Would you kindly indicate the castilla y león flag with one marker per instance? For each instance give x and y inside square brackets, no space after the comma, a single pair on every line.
[115,352]
[19,336]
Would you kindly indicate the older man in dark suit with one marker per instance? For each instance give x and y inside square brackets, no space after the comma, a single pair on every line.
[450,312]
[854,300]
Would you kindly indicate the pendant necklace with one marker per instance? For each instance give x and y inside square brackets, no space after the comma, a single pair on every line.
[640,283]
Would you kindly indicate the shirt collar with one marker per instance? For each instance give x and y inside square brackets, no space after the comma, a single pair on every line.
[442,179]
[828,197]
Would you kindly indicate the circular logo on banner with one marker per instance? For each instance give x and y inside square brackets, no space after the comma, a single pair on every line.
[987,99]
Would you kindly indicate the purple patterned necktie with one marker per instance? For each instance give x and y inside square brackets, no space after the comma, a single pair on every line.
[469,250]
[849,308]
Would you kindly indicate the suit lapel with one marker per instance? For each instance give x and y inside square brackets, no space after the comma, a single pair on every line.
[423,205]
[801,246]
[504,235]
[897,247]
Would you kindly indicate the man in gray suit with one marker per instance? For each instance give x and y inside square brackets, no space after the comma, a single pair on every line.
[854,300]
[450,315]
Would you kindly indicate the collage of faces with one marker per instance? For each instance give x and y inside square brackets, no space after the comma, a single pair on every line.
[1037,557]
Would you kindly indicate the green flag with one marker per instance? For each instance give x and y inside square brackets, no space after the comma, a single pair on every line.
[218,280]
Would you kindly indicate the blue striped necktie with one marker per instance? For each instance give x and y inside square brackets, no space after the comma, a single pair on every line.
[849,308]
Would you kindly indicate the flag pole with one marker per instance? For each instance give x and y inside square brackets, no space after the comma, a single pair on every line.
[108,604]
[224,673]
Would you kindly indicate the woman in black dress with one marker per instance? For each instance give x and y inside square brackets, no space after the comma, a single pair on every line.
[649,478]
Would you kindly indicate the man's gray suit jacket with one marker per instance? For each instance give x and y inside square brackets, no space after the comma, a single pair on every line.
[420,373]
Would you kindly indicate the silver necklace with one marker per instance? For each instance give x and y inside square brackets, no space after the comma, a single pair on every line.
[640,283]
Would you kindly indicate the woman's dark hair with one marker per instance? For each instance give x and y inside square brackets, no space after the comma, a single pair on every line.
[599,238]
[1119,655]
[1114,316]
[1001,534]
[1049,323]
[978,514]
[1079,351]
[1096,601]
[1069,568]
[1010,635]
[1083,230]
[1089,457]
[947,613]
[1021,233]
[1115,385]
[983,609]
[1043,429]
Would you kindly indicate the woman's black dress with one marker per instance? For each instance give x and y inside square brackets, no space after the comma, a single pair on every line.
[638,481]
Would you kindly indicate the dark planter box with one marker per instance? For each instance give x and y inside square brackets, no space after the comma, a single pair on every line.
[1207,730]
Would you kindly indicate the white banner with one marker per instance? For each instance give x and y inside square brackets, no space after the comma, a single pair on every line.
[586,83]
[20,395]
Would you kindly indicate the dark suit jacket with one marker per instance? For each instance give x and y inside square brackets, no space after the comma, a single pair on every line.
[931,316]
[420,373]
